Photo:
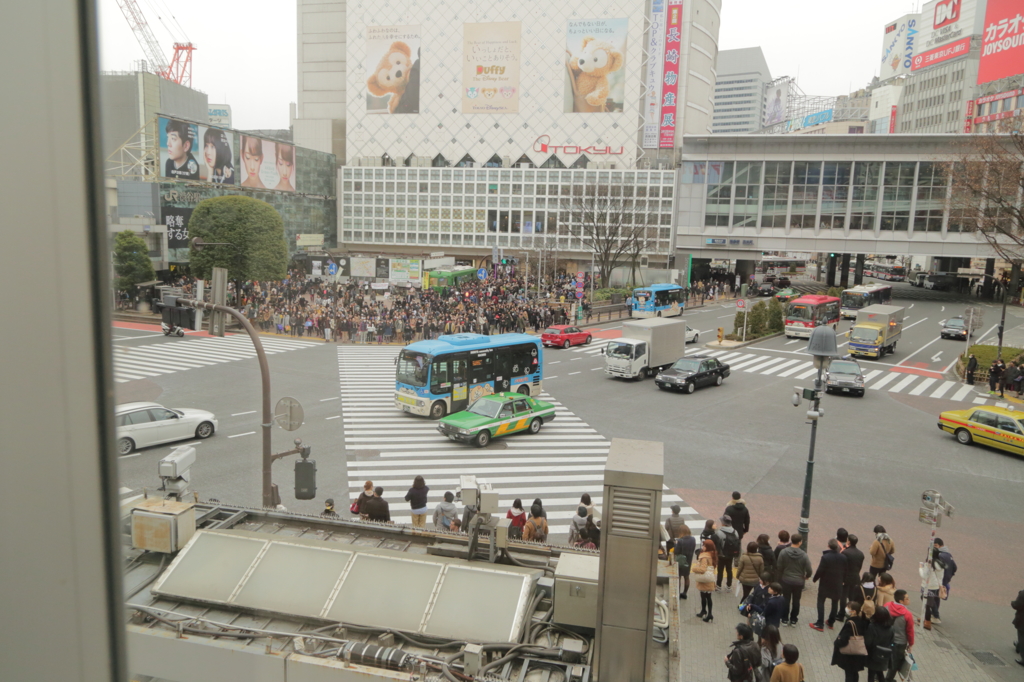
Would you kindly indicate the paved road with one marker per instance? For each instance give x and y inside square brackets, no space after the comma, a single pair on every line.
[874,456]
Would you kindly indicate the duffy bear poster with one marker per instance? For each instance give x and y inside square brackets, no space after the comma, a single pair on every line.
[393,69]
[595,59]
[490,67]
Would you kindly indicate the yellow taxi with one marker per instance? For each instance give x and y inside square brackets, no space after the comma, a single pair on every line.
[998,427]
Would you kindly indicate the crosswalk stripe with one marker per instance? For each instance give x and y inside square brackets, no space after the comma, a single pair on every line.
[790,372]
[743,362]
[963,393]
[980,401]
[784,365]
[941,390]
[808,373]
[880,384]
[763,365]
[871,375]
[732,356]
[921,387]
[910,378]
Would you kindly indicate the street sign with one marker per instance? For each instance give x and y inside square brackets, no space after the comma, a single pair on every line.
[437,254]
[580,277]
[481,273]
[740,303]
[332,269]
[930,516]
[288,414]
[579,294]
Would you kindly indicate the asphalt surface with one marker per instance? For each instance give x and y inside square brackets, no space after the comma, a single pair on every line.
[874,456]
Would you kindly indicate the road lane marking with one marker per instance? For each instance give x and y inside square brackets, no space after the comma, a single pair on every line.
[920,388]
[338,416]
[324,400]
[979,401]
[878,385]
[596,368]
[571,373]
[239,414]
[757,368]
[554,362]
[239,435]
[941,390]
[548,378]
[784,365]
[790,343]
[800,367]
[871,375]
[806,374]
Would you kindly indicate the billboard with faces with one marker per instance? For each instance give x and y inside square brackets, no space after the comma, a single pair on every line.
[266,164]
[189,151]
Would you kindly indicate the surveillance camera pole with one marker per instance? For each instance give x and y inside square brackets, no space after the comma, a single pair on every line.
[805,509]
[268,420]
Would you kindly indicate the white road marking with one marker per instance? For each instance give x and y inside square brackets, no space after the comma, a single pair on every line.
[920,388]
[941,390]
[239,435]
[979,401]
[757,368]
[337,416]
[571,373]
[880,384]
[798,368]
[871,375]
[808,373]
[784,365]
[239,414]
[324,400]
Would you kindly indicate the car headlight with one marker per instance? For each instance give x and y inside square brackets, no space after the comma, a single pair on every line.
[860,378]
[465,432]
[830,381]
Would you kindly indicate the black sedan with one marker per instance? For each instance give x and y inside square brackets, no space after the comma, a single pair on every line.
[766,289]
[690,373]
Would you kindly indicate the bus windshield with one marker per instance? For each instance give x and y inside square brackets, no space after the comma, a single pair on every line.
[800,312]
[853,300]
[646,295]
[485,408]
[620,350]
[412,368]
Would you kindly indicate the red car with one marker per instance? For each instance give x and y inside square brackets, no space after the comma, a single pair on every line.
[564,335]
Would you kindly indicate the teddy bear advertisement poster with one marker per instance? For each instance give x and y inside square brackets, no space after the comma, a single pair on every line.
[490,67]
[393,69]
[595,52]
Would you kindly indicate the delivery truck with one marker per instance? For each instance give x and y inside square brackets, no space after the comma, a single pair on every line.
[646,347]
[876,331]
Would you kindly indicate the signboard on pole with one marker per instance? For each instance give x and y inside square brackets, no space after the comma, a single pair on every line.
[481,274]
[655,55]
[670,79]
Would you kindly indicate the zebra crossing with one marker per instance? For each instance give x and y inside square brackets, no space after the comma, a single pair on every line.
[802,368]
[558,464]
[157,359]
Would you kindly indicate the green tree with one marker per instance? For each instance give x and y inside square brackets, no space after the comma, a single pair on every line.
[776,322]
[737,323]
[253,227]
[758,320]
[131,261]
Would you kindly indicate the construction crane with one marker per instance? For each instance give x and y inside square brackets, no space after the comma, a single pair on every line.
[180,68]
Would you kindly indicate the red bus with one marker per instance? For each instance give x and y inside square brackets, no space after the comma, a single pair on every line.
[807,312]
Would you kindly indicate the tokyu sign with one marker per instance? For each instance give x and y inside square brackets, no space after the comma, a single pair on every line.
[543,144]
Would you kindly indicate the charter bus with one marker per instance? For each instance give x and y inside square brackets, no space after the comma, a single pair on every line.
[807,312]
[890,273]
[439,279]
[658,300]
[445,375]
[862,295]
[769,266]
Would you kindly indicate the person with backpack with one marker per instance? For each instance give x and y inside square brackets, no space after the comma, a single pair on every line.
[536,528]
[706,562]
[685,547]
[794,568]
[881,551]
[855,625]
[750,569]
[518,516]
[947,577]
[745,657]
[709,533]
[770,643]
[902,631]
[879,642]
[789,670]
[730,551]
[445,512]
[579,522]
[865,594]
[740,515]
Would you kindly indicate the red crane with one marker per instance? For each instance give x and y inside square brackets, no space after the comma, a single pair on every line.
[180,68]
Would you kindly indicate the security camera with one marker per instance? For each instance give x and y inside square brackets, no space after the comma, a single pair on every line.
[796,400]
[813,415]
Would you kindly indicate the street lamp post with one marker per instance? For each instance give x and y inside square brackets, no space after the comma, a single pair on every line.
[822,346]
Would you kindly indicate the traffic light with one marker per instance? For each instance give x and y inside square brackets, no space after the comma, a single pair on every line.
[831,255]
[178,317]
[305,476]
[721,334]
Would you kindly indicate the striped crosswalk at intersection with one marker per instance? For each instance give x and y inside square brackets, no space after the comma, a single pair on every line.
[156,359]
[558,464]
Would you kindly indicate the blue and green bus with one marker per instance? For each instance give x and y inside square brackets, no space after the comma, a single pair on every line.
[445,375]
[658,300]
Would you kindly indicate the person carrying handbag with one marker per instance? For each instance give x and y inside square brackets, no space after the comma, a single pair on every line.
[703,571]
[685,547]
[848,650]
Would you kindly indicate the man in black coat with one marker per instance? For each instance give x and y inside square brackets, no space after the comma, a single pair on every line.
[1018,622]
[854,562]
[830,576]
[739,514]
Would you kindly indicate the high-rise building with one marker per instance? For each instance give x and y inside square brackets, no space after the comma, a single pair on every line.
[739,99]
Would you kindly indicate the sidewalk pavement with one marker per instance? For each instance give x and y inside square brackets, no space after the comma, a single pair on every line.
[703,646]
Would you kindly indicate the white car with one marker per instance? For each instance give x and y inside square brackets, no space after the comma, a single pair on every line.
[691,335]
[143,424]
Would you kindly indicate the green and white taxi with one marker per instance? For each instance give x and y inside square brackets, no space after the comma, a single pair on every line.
[494,415]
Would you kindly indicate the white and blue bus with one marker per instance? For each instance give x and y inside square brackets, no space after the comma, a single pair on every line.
[864,295]
[658,300]
[445,375]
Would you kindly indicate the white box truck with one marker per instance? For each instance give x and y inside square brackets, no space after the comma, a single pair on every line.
[646,347]
[876,331]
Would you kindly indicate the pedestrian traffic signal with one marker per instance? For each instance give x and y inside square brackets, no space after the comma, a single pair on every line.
[305,477]
[721,334]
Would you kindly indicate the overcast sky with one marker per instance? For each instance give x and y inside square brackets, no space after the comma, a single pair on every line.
[247,50]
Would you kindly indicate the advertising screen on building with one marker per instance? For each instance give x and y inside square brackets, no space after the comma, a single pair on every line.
[776,98]
[941,54]
[392,69]
[652,75]
[490,67]
[364,267]
[405,270]
[266,164]
[1002,43]
[189,151]
[670,74]
[898,46]
[595,58]
[176,221]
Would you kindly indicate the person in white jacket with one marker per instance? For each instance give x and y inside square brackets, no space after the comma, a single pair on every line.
[931,580]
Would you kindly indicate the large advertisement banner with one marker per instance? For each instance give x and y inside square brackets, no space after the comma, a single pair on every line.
[1002,43]
[267,164]
[490,67]
[595,54]
[776,97]
[176,220]
[655,55]
[189,151]
[898,46]
[392,69]
[941,54]
[670,69]
[405,269]
[364,267]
